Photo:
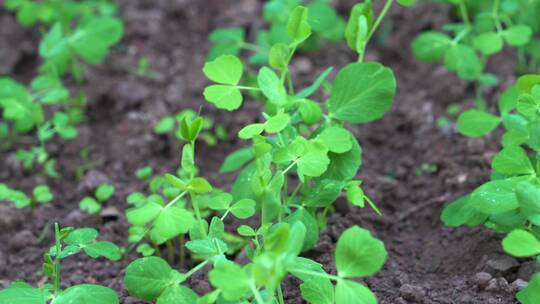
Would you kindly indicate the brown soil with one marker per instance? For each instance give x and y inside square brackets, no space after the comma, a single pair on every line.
[428,263]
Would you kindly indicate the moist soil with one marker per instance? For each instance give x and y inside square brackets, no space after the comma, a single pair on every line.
[411,166]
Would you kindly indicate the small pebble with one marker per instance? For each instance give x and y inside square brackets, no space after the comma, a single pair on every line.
[482,279]
[412,293]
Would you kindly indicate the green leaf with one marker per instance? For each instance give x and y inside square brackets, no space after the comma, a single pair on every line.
[103,249]
[278,57]
[313,163]
[199,185]
[42,194]
[243,209]
[207,248]
[22,293]
[220,201]
[225,70]
[488,43]
[508,99]
[521,243]
[324,193]
[277,123]
[362,92]
[173,221]
[81,236]
[517,35]
[462,59]
[93,39]
[245,230]
[462,212]
[318,291]
[143,215]
[355,195]
[177,294]
[251,130]
[104,192]
[310,111]
[227,41]
[337,139]
[236,160]
[344,166]
[512,160]
[349,292]
[431,46]
[495,197]
[352,28]
[224,96]
[86,293]
[147,278]
[298,27]
[528,196]
[165,125]
[359,254]
[90,205]
[271,86]
[475,123]
[230,278]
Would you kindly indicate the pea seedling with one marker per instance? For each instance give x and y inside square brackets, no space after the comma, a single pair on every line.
[485,28]
[40,195]
[68,242]
[324,21]
[210,132]
[301,160]
[509,202]
[94,204]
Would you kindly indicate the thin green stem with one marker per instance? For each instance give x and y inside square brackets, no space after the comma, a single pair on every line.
[195,269]
[290,167]
[247,88]
[256,294]
[280,295]
[56,285]
[496,18]
[465,14]
[385,10]
[197,210]
[317,274]
[253,47]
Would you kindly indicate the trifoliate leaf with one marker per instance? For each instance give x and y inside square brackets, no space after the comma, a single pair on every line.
[81,236]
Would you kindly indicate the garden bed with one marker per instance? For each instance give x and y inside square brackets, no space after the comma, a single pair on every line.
[411,166]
